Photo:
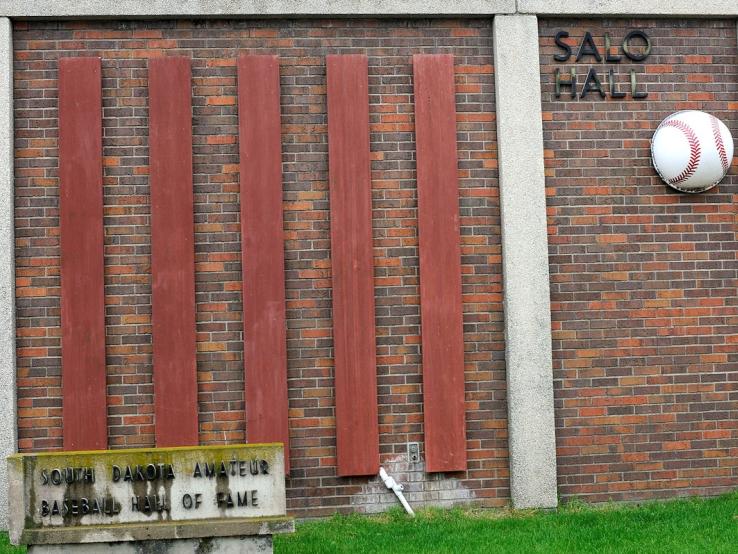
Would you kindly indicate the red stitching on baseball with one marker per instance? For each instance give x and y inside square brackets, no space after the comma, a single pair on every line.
[694,150]
[718,136]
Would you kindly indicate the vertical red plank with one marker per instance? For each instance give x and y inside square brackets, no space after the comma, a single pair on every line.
[265,340]
[357,435]
[84,411]
[440,263]
[172,252]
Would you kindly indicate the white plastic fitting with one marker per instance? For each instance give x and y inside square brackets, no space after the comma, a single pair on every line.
[397,488]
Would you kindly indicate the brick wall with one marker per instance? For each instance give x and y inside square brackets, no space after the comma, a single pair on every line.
[213,46]
[643,278]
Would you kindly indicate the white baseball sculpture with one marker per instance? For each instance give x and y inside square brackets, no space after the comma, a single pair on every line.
[692,150]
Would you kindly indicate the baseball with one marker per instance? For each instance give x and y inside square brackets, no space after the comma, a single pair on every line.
[692,150]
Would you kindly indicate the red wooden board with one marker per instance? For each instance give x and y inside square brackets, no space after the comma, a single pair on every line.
[440,263]
[265,340]
[357,435]
[172,252]
[84,411]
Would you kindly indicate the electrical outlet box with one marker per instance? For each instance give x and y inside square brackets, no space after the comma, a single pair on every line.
[413,452]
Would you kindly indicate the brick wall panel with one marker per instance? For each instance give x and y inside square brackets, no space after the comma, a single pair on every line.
[643,278]
[213,46]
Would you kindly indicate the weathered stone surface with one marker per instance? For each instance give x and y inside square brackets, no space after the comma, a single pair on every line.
[141,494]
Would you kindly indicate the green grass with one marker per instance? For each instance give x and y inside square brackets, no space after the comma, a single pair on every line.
[680,526]
[7,548]
[674,527]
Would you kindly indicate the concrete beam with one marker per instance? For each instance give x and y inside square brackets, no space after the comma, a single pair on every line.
[525,263]
[109,9]
[8,437]
[630,8]
[137,9]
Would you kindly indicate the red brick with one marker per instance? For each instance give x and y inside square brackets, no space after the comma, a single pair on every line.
[630,272]
[307,246]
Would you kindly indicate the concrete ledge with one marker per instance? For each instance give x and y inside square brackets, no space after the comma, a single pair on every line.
[108,9]
[630,8]
[531,427]
[160,531]
[8,440]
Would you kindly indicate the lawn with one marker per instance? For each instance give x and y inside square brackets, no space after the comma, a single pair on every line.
[682,526]
[674,527]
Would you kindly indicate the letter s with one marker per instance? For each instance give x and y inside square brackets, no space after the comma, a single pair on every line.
[565,47]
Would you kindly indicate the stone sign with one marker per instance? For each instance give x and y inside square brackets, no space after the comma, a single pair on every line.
[145,494]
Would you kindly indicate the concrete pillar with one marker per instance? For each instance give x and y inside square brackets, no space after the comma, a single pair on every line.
[525,263]
[8,437]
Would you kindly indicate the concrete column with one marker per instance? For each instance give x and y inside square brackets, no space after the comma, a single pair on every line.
[525,263]
[8,437]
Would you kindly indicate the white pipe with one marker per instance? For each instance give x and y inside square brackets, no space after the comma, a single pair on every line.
[397,488]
